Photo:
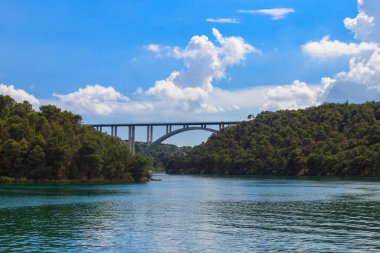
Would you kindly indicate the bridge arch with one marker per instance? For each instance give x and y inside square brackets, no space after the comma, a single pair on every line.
[185,126]
[172,133]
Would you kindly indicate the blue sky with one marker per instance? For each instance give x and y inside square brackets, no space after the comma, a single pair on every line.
[49,50]
[58,46]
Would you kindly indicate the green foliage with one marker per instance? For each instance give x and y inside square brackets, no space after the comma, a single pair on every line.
[10,180]
[329,140]
[162,154]
[52,144]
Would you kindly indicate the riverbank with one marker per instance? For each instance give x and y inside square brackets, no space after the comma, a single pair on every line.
[11,180]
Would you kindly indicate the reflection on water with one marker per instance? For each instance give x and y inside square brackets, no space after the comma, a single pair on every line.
[193,214]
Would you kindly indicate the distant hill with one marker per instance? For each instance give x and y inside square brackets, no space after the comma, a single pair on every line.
[162,154]
[328,140]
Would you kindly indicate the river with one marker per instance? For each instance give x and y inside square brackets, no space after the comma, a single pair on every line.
[185,213]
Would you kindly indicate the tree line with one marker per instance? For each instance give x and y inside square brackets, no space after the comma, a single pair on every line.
[328,140]
[161,154]
[52,144]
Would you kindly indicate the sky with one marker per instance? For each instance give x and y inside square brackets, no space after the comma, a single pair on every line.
[199,60]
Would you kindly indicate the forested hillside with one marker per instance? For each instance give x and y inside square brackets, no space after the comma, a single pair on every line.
[162,154]
[331,139]
[53,145]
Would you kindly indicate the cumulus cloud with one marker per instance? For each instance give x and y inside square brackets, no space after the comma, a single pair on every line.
[326,48]
[364,71]
[192,89]
[365,25]
[362,25]
[204,62]
[361,82]
[223,20]
[275,13]
[297,95]
[189,89]
[99,100]
[249,100]
[18,94]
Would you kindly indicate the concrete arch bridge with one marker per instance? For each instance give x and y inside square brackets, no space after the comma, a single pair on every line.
[171,130]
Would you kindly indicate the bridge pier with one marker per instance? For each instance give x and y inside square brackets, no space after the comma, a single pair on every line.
[131,139]
[149,134]
[168,129]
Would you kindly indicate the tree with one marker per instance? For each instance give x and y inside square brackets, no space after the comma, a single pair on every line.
[53,144]
[331,139]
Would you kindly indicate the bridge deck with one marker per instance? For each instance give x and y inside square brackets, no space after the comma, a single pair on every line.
[185,126]
[166,124]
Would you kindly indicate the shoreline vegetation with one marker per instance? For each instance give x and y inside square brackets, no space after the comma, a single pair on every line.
[327,140]
[52,145]
[11,180]
[161,154]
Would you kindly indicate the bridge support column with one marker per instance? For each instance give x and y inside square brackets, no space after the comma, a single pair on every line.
[115,132]
[131,139]
[100,129]
[112,133]
[168,129]
[149,135]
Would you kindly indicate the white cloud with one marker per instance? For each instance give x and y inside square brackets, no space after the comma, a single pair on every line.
[361,82]
[154,48]
[99,100]
[223,20]
[139,91]
[297,95]
[204,62]
[247,99]
[189,89]
[275,13]
[362,25]
[364,71]
[192,88]
[159,50]
[326,48]
[235,103]
[18,94]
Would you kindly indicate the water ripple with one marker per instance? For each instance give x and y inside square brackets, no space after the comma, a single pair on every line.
[193,214]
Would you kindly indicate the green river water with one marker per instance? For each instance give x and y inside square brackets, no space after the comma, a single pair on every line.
[185,213]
